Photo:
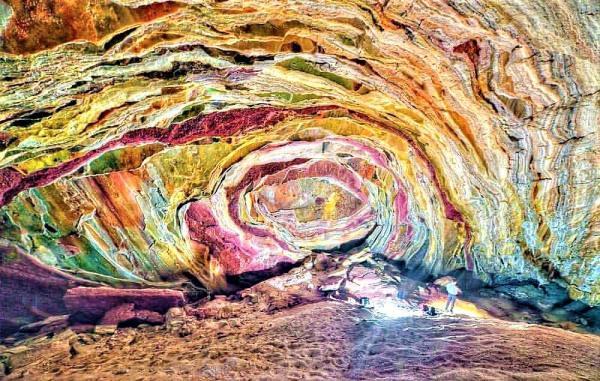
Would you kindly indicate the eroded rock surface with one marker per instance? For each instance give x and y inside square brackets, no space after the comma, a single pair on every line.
[89,304]
[320,341]
[205,146]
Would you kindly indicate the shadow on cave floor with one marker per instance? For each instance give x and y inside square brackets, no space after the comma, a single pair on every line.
[285,326]
[325,340]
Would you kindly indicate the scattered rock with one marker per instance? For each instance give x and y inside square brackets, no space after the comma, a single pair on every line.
[87,338]
[118,315]
[83,328]
[14,357]
[5,364]
[50,324]
[185,330]
[126,315]
[569,325]
[543,298]
[175,317]
[16,350]
[323,262]
[105,329]
[90,304]
[308,265]
[331,283]
[558,315]
[593,317]
[576,306]
[287,290]
[366,282]
[177,321]
[75,348]
[219,308]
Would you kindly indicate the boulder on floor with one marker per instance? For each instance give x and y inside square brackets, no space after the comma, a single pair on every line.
[50,324]
[127,315]
[90,304]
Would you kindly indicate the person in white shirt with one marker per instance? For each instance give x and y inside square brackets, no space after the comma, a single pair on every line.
[453,291]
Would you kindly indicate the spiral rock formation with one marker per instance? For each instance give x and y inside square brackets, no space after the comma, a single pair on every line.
[207,140]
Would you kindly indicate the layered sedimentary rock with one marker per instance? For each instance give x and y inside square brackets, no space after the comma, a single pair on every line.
[201,142]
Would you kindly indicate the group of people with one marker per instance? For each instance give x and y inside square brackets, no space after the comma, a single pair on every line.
[339,291]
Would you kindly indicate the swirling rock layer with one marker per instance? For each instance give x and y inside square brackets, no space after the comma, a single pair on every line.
[163,143]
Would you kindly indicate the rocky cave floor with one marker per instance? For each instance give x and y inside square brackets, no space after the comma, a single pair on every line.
[287,328]
[323,340]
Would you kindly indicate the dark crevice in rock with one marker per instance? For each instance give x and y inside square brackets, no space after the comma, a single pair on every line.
[349,246]
[269,28]
[30,118]
[117,38]
[237,57]
[407,29]
[27,119]
[251,278]
[51,229]
[122,62]
[195,289]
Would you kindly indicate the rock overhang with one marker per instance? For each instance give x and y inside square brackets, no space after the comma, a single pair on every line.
[474,149]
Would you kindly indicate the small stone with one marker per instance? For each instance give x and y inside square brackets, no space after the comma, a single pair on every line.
[131,339]
[126,313]
[557,315]
[174,318]
[86,339]
[10,340]
[120,313]
[185,330]
[322,262]
[83,328]
[105,329]
[47,325]
[75,348]
[17,350]
[5,364]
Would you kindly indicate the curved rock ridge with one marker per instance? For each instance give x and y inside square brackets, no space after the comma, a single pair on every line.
[207,140]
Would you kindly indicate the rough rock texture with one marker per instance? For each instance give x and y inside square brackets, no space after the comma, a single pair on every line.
[127,314]
[116,305]
[30,291]
[211,140]
[321,341]
[38,25]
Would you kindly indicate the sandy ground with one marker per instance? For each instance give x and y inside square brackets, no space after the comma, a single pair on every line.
[327,340]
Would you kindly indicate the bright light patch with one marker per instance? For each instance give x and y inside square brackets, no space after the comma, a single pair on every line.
[392,309]
[460,308]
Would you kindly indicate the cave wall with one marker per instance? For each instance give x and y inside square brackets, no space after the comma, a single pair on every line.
[212,139]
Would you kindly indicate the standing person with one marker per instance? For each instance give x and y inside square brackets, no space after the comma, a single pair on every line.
[453,291]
